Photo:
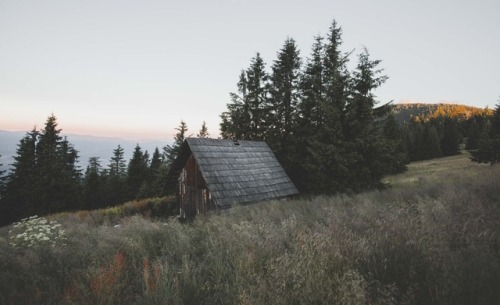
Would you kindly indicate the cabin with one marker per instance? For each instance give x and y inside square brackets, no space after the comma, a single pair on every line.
[211,174]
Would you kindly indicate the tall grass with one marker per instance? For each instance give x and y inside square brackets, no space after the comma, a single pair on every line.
[435,244]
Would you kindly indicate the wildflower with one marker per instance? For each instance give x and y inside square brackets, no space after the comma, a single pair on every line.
[36,231]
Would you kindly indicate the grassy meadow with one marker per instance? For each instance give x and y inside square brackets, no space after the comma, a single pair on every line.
[432,237]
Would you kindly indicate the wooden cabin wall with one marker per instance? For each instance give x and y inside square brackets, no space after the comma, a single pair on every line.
[193,195]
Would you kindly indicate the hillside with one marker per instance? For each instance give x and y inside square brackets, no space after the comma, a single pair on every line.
[405,112]
[432,238]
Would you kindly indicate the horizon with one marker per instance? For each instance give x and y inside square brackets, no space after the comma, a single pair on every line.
[169,138]
[137,69]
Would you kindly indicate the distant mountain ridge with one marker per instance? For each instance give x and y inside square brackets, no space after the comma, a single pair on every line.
[86,145]
[405,112]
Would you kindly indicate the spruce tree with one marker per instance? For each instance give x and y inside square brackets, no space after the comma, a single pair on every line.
[93,187]
[450,139]
[247,115]
[2,181]
[20,199]
[431,145]
[309,120]
[203,131]
[337,82]
[45,177]
[117,165]
[153,184]
[312,91]
[284,89]
[489,143]
[329,154]
[416,139]
[372,155]
[397,154]
[137,172]
[236,120]
[58,177]
[170,152]
[473,135]
[365,80]
[115,178]
[257,98]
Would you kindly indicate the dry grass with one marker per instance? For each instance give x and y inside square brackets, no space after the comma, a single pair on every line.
[434,170]
[438,243]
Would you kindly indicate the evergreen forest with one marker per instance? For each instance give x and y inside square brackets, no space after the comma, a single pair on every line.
[45,177]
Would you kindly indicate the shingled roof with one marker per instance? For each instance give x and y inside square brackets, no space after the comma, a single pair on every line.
[235,172]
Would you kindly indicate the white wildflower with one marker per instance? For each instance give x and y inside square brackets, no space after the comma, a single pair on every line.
[36,231]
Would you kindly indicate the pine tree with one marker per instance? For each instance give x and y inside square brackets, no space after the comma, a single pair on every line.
[258,99]
[431,146]
[19,199]
[415,139]
[153,186]
[337,82]
[117,165]
[2,181]
[489,143]
[137,172]
[45,177]
[310,119]
[397,156]
[360,106]
[203,131]
[473,135]
[58,177]
[247,114]
[330,158]
[450,139]
[236,120]
[283,115]
[170,152]
[372,155]
[93,187]
[312,91]
[115,178]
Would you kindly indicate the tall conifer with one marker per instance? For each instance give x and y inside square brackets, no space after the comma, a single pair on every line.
[58,178]
[489,142]
[115,179]
[137,172]
[248,112]
[284,89]
[20,199]
[93,187]
[170,152]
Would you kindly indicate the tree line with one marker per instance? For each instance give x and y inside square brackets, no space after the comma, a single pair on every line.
[439,134]
[45,177]
[318,116]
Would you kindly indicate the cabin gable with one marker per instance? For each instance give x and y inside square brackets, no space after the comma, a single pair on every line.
[192,192]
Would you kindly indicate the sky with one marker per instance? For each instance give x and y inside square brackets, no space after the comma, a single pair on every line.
[135,69]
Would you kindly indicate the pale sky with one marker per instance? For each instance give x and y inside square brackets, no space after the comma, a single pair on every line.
[134,69]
